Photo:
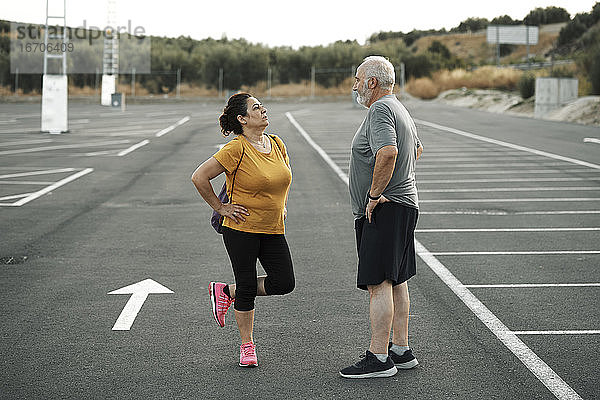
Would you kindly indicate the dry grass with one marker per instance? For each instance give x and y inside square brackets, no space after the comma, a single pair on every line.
[482,78]
[474,48]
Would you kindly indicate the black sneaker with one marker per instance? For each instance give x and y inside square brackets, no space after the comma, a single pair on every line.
[404,361]
[370,367]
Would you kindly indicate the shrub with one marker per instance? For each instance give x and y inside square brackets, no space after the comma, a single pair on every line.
[527,85]
[595,71]
[423,88]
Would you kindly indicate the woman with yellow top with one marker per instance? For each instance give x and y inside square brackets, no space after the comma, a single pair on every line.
[258,178]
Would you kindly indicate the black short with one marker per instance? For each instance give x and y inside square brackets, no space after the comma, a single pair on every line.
[386,245]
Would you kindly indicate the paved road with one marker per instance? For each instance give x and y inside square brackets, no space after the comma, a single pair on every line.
[137,216]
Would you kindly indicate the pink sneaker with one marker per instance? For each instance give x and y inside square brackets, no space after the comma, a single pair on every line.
[220,301]
[248,355]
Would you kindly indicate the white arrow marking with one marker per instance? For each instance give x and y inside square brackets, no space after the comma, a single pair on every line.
[139,292]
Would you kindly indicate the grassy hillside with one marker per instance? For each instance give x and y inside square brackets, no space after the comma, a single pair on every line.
[474,49]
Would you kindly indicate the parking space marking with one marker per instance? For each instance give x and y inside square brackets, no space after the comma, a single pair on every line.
[40,172]
[47,189]
[512,189]
[585,332]
[25,182]
[534,285]
[133,148]
[513,253]
[463,230]
[504,213]
[421,181]
[64,146]
[22,142]
[506,144]
[532,361]
[14,196]
[489,165]
[507,172]
[525,200]
[591,140]
[172,127]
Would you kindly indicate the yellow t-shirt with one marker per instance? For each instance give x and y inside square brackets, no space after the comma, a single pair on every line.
[261,184]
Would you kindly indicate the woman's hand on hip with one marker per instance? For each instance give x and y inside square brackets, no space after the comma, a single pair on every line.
[235,212]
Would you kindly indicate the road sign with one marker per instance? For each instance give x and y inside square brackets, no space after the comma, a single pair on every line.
[507,34]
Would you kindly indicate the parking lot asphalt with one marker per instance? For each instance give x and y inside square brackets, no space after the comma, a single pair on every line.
[509,206]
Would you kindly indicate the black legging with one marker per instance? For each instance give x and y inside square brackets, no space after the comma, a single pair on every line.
[244,249]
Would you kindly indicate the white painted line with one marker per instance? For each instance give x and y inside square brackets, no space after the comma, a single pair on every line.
[133,148]
[425,181]
[41,172]
[480,159]
[23,142]
[318,148]
[504,213]
[175,125]
[535,285]
[506,172]
[544,200]
[98,153]
[50,188]
[513,253]
[591,140]
[464,230]
[484,165]
[506,144]
[588,332]
[512,189]
[139,293]
[15,196]
[25,183]
[536,365]
[65,146]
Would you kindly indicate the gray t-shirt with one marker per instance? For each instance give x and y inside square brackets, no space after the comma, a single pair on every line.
[387,123]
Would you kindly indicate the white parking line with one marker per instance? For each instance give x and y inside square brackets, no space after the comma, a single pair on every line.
[506,144]
[175,125]
[591,140]
[65,146]
[525,200]
[535,285]
[513,189]
[505,213]
[425,181]
[507,172]
[588,332]
[47,189]
[41,172]
[23,142]
[25,182]
[14,196]
[133,148]
[513,253]
[485,165]
[463,230]
[536,365]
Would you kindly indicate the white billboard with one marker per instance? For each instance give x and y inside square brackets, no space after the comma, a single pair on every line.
[510,34]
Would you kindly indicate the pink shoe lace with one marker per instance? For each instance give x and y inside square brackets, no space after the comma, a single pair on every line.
[248,355]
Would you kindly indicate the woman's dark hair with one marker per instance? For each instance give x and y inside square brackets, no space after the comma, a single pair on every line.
[236,105]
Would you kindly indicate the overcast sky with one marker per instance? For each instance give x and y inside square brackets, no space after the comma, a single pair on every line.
[280,22]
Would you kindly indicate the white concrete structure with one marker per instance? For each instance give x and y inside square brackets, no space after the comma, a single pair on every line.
[54,104]
[553,93]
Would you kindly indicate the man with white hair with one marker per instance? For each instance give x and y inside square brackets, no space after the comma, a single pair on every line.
[385,205]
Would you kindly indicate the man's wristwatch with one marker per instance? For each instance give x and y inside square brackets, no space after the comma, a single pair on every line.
[374,198]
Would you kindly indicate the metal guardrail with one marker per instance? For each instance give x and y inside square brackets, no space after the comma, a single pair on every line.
[539,65]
